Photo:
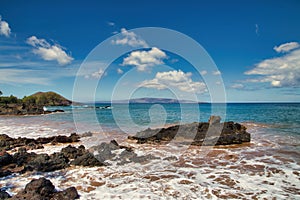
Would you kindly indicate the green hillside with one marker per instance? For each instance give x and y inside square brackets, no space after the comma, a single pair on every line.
[47,99]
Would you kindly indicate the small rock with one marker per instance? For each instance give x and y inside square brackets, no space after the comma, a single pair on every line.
[73,152]
[214,120]
[87,159]
[4,195]
[5,159]
[70,193]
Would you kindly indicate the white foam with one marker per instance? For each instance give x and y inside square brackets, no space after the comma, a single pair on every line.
[258,170]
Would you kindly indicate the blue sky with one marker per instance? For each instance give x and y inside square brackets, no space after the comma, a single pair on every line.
[254,44]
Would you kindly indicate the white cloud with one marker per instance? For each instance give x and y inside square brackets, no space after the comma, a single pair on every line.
[144,59]
[120,71]
[4,28]
[281,71]
[111,23]
[286,47]
[257,29]
[177,79]
[204,72]
[49,52]
[131,39]
[217,72]
[95,75]
[237,86]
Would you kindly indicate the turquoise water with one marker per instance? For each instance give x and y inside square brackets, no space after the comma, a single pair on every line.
[281,117]
[266,168]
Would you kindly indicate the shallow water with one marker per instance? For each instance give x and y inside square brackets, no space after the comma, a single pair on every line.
[267,167]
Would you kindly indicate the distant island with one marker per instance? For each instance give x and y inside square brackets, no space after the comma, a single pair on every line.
[31,105]
[150,100]
[35,103]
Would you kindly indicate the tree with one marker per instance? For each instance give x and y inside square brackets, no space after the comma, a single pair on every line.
[1,93]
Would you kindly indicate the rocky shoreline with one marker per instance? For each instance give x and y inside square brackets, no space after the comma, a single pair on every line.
[17,109]
[208,133]
[16,158]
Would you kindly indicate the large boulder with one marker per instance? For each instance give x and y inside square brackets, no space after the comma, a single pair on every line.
[46,163]
[199,133]
[43,189]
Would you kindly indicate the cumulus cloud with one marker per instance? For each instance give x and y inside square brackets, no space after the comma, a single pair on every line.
[237,86]
[175,79]
[111,23]
[283,71]
[95,75]
[4,28]
[144,59]
[131,39]
[286,47]
[120,71]
[49,52]
[204,72]
[217,72]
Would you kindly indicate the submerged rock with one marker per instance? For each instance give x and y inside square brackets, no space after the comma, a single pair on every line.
[113,152]
[43,189]
[203,133]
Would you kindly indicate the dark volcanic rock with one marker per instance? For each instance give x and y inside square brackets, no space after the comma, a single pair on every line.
[4,195]
[43,189]
[203,133]
[73,152]
[104,152]
[67,194]
[120,154]
[87,159]
[8,143]
[5,159]
[46,163]
[5,173]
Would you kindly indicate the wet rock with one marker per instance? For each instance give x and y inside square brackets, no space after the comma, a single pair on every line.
[68,194]
[104,151]
[113,152]
[22,157]
[37,189]
[87,134]
[202,133]
[46,163]
[58,110]
[87,159]
[4,195]
[43,189]
[65,139]
[72,152]
[214,120]
[8,143]
[5,173]
[5,159]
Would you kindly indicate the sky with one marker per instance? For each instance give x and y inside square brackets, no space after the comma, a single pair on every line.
[254,47]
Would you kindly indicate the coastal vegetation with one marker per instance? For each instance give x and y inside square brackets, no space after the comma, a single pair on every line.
[33,104]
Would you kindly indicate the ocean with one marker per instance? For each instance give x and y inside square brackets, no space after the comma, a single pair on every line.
[266,168]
